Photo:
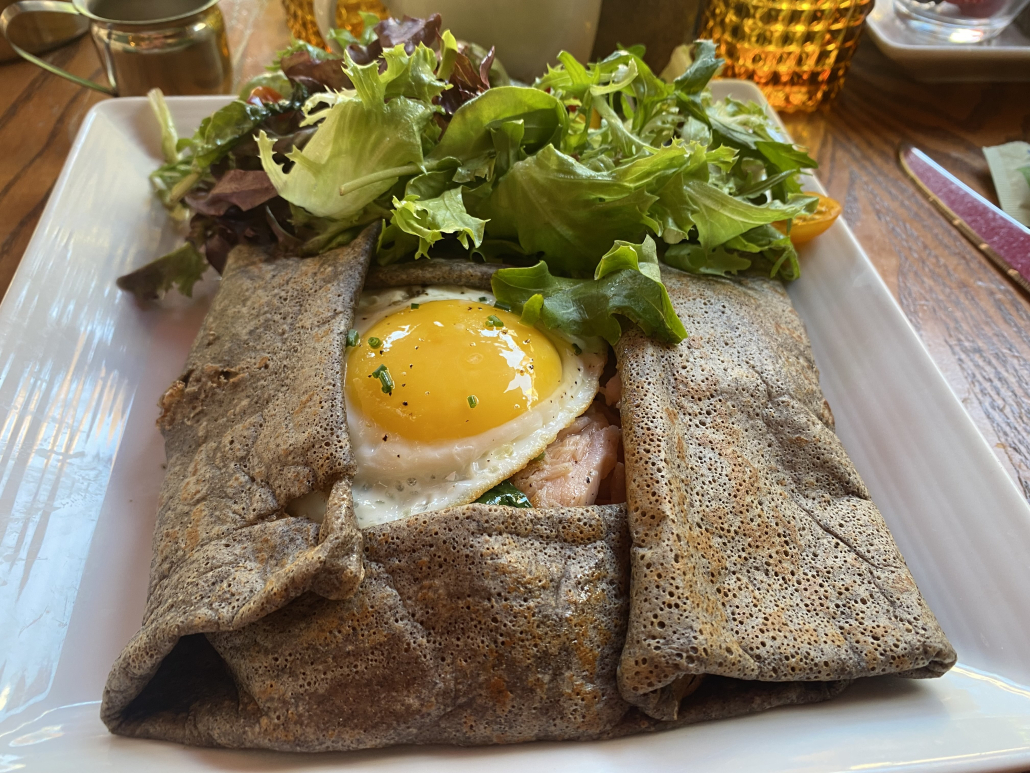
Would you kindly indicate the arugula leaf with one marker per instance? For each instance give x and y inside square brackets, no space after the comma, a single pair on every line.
[763,246]
[688,256]
[702,69]
[587,307]
[784,156]
[217,133]
[181,268]
[469,133]
[506,494]
[717,216]
[430,219]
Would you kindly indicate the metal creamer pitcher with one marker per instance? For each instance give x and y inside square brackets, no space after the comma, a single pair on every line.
[178,46]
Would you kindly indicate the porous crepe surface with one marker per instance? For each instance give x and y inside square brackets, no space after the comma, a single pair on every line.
[757,553]
[463,273]
[472,625]
[256,419]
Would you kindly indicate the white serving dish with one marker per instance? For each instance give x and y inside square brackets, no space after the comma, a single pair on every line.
[1005,58]
[81,367]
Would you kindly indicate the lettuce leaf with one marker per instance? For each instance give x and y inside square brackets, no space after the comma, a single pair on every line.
[572,214]
[625,286]
[760,247]
[193,156]
[430,219]
[181,268]
[716,215]
[362,148]
[469,133]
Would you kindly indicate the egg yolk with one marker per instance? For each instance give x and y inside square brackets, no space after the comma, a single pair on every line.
[452,368]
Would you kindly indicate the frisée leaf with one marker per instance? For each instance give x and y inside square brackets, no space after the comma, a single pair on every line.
[363,143]
[430,219]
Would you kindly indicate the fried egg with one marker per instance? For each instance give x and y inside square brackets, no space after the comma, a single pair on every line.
[447,396]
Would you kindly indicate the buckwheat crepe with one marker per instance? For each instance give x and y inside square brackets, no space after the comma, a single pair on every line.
[748,569]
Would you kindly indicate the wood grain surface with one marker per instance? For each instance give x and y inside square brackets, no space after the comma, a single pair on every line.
[974,322]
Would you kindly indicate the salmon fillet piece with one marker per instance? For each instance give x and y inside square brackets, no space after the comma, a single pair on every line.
[574,465]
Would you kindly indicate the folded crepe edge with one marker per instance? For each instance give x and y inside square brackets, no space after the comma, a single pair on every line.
[691,388]
[339,546]
[325,559]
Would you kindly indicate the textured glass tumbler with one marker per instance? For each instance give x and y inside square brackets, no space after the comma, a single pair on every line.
[797,51]
[300,17]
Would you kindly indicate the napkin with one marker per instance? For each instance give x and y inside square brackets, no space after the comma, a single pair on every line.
[1010,170]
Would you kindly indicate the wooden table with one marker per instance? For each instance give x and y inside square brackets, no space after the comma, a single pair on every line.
[975,324]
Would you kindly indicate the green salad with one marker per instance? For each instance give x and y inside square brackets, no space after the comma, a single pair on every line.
[582,183]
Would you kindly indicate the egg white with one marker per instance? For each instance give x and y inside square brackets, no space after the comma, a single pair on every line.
[399,477]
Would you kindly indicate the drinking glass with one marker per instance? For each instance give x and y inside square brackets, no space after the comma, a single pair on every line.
[797,51]
[959,21]
[304,23]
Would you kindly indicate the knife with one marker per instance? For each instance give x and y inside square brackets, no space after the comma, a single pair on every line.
[997,235]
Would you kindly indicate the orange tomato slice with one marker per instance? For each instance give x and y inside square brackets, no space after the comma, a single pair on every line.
[263,95]
[807,227]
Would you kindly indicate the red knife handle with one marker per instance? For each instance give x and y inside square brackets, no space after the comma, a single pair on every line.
[997,231]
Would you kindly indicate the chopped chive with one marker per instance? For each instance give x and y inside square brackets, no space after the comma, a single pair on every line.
[502,306]
[473,401]
[383,375]
[541,457]
[494,321]
[414,305]
[483,299]
[374,342]
[353,339]
[576,349]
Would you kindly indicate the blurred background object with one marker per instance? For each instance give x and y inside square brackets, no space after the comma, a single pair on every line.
[959,21]
[1023,21]
[659,25]
[303,23]
[178,46]
[41,32]
[527,35]
[797,51]
[1005,58]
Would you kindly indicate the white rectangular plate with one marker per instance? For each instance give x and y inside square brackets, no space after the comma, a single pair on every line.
[81,368]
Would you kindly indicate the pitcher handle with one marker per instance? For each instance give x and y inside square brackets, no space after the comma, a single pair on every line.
[47,6]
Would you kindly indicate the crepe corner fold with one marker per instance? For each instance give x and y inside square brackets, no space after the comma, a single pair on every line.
[757,552]
[225,550]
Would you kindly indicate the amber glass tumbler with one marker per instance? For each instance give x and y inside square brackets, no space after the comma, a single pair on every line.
[797,51]
[300,17]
